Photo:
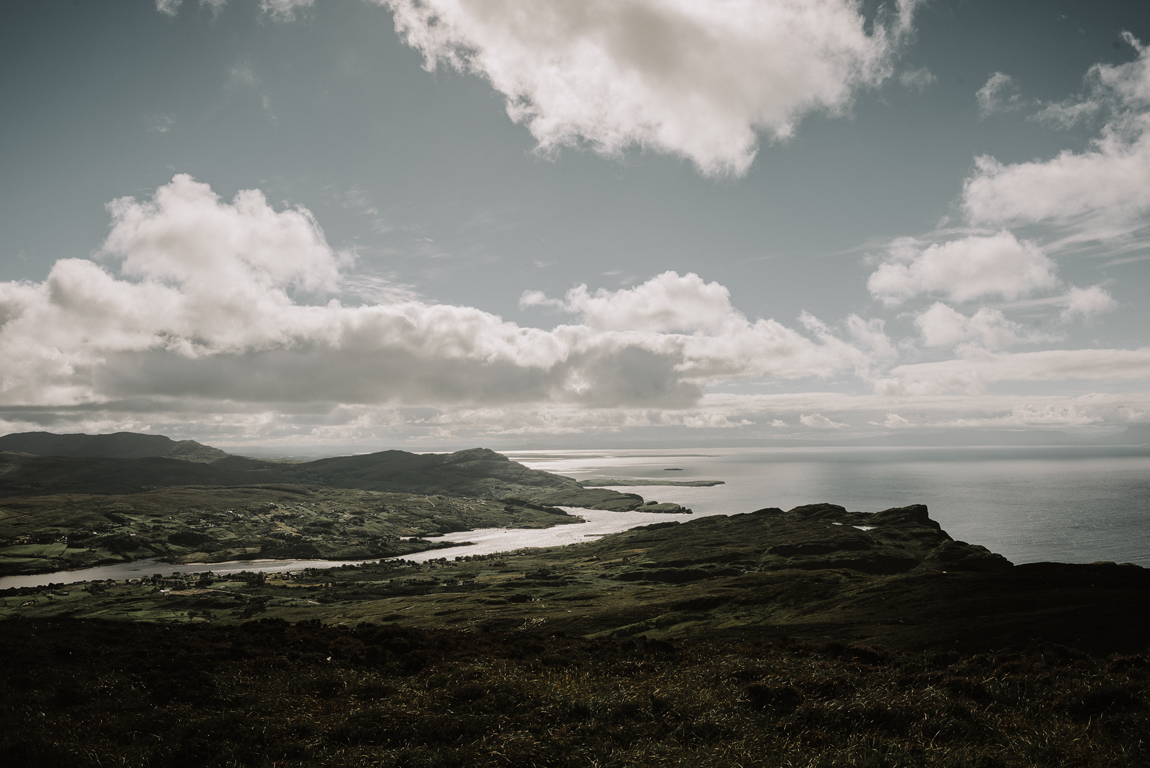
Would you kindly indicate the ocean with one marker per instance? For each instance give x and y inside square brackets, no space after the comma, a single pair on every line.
[1064,504]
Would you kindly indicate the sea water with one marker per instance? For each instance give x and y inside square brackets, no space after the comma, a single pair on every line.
[1064,504]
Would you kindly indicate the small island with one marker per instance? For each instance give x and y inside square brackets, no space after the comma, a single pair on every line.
[634,482]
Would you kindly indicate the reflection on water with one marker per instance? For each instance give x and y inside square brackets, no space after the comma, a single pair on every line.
[141,568]
[598,523]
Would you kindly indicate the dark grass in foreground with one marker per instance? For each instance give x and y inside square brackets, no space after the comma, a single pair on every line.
[271,693]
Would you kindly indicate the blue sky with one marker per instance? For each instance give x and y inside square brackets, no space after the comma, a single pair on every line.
[396,223]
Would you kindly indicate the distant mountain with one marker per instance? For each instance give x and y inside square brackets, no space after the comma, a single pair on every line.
[476,473]
[1135,434]
[121,445]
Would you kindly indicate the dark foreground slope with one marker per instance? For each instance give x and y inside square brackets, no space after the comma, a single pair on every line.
[272,694]
[814,637]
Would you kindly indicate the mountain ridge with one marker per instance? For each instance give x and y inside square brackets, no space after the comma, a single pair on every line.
[117,445]
[473,472]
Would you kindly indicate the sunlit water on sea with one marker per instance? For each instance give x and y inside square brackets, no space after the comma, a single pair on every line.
[1028,504]
[1073,505]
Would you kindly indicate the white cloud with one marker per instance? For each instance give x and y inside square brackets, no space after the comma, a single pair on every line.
[225,302]
[667,302]
[818,421]
[697,80]
[1087,302]
[962,270]
[281,10]
[1102,193]
[715,339]
[894,421]
[971,374]
[999,94]
[917,79]
[942,326]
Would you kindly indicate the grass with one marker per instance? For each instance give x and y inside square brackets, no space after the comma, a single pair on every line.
[737,641]
[271,693]
[67,531]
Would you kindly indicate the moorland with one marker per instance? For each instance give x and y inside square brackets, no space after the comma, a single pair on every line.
[100,499]
[814,636]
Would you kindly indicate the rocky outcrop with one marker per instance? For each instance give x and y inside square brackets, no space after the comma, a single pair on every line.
[811,537]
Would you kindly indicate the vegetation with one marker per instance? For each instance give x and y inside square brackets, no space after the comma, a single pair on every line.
[811,637]
[475,473]
[40,534]
[270,693]
[713,577]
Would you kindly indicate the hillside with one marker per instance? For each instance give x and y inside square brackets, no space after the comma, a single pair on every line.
[121,445]
[65,512]
[40,463]
[812,573]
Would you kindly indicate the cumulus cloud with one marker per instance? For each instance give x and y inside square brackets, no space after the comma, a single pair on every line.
[893,421]
[818,421]
[942,326]
[667,302]
[1087,302]
[233,301]
[962,270]
[1102,193]
[697,80]
[716,340]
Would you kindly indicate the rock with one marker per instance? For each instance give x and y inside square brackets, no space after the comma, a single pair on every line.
[810,537]
[960,556]
[915,514]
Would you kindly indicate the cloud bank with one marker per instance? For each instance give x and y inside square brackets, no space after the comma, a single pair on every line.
[696,80]
[234,313]
[232,301]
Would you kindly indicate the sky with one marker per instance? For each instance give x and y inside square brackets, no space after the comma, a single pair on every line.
[366,224]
